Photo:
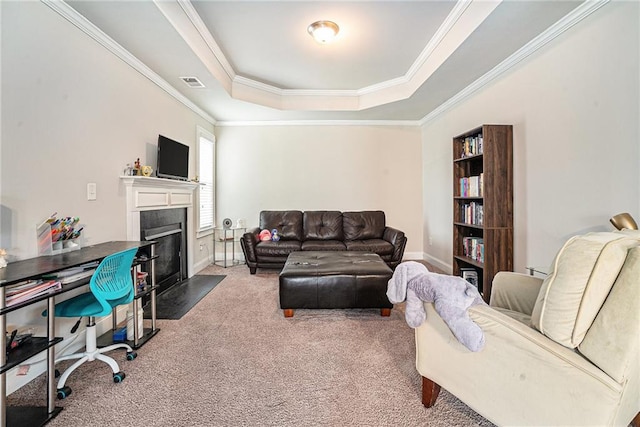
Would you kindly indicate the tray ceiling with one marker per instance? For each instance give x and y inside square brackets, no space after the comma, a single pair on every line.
[391,61]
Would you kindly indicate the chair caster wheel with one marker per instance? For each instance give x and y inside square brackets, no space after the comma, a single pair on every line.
[63,392]
[118,377]
[131,355]
[57,373]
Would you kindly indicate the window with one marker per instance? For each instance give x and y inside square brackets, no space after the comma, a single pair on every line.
[206,174]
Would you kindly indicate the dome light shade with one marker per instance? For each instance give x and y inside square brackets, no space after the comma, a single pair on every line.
[323,31]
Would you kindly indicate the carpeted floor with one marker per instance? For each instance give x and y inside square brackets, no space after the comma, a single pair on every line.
[235,360]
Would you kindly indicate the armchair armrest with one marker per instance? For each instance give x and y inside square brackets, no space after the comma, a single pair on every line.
[397,239]
[248,243]
[516,363]
[515,291]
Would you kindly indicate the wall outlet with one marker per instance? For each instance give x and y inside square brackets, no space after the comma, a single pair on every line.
[201,246]
[430,241]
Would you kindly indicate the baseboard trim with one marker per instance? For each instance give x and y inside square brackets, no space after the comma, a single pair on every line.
[412,256]
[438,263]
[201,265]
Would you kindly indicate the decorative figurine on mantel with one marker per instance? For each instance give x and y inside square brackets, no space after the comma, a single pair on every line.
[136,167]
[3,262]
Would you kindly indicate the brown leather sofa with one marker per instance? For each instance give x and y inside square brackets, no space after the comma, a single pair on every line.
[364,231]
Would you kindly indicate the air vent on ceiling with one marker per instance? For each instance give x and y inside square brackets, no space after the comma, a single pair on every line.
[192,81]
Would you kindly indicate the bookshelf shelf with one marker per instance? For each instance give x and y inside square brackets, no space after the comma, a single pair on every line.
[483,177]
[469,261]
[464,224]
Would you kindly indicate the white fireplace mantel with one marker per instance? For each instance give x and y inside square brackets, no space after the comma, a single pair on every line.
[149,193]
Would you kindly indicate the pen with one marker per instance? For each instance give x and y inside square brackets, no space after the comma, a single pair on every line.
[13,336]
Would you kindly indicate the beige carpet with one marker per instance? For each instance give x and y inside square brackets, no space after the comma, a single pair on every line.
[235,360]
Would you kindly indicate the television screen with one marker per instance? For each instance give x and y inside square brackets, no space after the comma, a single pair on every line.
[173,159]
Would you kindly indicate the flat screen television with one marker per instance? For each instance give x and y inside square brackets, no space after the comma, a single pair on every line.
[173,159]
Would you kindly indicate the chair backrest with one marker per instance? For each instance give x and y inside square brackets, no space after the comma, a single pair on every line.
[112,283]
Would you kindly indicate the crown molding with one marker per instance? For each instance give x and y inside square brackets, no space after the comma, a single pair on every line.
[86,26]
[410,123]
[446,26]
[567,22]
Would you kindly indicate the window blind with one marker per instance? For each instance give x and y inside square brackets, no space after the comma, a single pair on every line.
[206,171]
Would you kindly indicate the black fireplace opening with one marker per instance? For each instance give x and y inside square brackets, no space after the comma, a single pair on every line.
[167,227]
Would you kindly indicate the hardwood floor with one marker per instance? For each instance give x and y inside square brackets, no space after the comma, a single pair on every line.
[431,267]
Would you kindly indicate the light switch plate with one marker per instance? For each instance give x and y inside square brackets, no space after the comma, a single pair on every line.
[91,191]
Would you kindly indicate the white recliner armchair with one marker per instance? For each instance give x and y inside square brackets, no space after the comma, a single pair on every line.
[559,352]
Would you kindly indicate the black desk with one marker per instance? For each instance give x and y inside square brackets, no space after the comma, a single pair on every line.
[32,269]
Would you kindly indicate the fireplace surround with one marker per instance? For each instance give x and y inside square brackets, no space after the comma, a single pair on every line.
[162,210]
[167,227]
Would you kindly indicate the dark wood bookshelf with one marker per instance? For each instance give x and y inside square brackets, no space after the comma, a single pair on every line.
[495,163]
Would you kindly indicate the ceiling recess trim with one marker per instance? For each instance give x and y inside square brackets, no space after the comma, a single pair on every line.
[464,18]
[565,23]
[86,26]
[195,19]
[410,123]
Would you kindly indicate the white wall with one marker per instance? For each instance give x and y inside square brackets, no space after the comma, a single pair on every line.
[574,106]
[72,113]
[321,168]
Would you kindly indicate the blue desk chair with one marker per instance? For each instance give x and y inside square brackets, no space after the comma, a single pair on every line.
[111,285]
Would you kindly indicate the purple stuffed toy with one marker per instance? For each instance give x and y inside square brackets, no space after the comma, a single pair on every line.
[450,295]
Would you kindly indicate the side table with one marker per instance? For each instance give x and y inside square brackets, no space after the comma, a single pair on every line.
[542,271]
[226,237]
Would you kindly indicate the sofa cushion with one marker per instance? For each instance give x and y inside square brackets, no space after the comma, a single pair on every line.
[363,225]
[583,273]
[323,245]
[322,225]
[376,246]
[288,223]
[280,248]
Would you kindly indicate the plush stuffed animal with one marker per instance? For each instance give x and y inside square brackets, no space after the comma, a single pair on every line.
[265,235]
[274,235]
[451,296]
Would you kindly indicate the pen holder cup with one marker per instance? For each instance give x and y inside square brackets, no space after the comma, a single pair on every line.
[46,246]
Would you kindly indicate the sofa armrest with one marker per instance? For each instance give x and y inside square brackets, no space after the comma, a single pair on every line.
[398,240]
[249,242]
[515,291]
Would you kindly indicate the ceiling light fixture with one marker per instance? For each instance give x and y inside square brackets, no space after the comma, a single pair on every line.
[323,31]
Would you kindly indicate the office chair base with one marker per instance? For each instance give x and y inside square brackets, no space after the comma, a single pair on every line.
[92,353]
[119,377]
[64,392]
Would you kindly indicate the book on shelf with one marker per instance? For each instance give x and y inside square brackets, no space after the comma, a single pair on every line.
[26,290]
[471,186]
[472,213]
[472,145]
[74,273]
[473,247]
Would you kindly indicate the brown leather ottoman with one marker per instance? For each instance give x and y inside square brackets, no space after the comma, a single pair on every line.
[340,279]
